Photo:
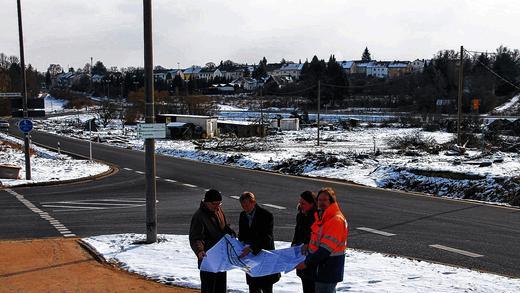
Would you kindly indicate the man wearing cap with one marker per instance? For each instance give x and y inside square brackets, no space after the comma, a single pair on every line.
[208,226]
[327,244]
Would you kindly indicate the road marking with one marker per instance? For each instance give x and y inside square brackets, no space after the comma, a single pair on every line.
[170,180]
[235,197]
[74,207]
[94,204]
[455,250]
[139,172]
[128,169]
[370,230]
[274,206]
[157,177]
[190,185]
[64,231]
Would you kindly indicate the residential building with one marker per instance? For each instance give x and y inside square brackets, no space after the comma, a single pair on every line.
[292,69]
[209,73]
[399,68]
[191,72]
[349,67]
[377,69]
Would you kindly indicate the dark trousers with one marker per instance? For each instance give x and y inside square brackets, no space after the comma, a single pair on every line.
[213,282]
[263,289]
[308,285]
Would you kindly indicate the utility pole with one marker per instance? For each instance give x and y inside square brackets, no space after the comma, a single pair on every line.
[261,113]
[318,118]
[90,73]
[149,143]
[459,101]
[26,141]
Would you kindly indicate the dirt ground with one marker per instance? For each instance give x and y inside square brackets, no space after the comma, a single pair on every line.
[62,265]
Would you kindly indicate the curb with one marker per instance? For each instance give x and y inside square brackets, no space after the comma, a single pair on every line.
[92,251]
[113,169]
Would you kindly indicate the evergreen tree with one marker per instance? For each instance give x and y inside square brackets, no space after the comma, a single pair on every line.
[99,68]
[366,55]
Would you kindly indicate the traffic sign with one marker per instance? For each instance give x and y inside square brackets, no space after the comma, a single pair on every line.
[25,125]
[10,95]
[151,130]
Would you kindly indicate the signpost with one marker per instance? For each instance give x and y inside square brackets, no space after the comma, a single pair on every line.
[151,130]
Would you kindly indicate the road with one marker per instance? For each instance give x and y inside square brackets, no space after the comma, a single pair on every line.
[460,233]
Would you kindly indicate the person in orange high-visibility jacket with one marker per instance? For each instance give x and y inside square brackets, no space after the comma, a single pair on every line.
[326,250]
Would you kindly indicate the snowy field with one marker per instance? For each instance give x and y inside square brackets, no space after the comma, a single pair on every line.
[171,261]
[342,154]
[46,166]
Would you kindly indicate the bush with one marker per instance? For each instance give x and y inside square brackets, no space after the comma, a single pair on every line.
[415,141]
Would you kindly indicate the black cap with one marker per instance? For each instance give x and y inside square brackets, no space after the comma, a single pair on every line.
[212,195]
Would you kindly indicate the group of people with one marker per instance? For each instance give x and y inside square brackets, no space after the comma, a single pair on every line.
[321,230]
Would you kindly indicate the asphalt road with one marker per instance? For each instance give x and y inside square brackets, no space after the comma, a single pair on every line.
[454,232]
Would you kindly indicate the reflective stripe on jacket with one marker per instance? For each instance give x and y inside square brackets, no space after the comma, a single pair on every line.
[328,244]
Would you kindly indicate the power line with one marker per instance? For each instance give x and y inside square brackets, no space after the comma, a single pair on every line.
[492,71]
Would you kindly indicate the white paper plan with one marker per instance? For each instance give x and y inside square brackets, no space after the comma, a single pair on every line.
[224,257]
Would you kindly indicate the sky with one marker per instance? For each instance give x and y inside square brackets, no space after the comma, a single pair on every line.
[188,32]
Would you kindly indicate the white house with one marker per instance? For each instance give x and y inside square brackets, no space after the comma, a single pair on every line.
[418,65]
[377,69]
[210,73]
[293,70]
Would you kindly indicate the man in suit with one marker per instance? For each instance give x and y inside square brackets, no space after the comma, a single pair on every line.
[255,229]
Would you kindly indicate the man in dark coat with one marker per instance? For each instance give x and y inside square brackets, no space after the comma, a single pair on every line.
[256,231]
[208,226]
[302,235]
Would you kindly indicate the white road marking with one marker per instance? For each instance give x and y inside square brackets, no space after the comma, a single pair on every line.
[139,172]
[170,180]
[455,250]
[44,215]
[128,169]
[274,206]
[157,177]
[74,207]
[190,185]
[73,204]
[370,230]
[235,197]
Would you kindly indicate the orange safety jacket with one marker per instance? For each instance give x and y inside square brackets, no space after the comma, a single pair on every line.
[328,244]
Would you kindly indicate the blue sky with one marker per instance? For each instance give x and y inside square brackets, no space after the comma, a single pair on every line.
[69,32]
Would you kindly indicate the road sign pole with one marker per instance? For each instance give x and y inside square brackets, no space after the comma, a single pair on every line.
[24,93]
[149,143]
[90,139]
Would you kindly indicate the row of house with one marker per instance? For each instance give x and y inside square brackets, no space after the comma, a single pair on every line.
[383,69]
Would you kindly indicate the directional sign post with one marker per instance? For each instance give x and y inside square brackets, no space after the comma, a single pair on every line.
[25,125]
[151,130]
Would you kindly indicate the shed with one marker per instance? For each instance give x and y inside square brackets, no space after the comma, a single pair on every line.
[286,123]
[207,123]
[241,128]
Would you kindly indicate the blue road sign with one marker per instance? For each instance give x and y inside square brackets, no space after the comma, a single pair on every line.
[25,125]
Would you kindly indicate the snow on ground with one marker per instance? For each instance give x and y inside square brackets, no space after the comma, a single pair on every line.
[342,154]
[53,105]
[229,108]
[171,261]
[46,165]
[508,105]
